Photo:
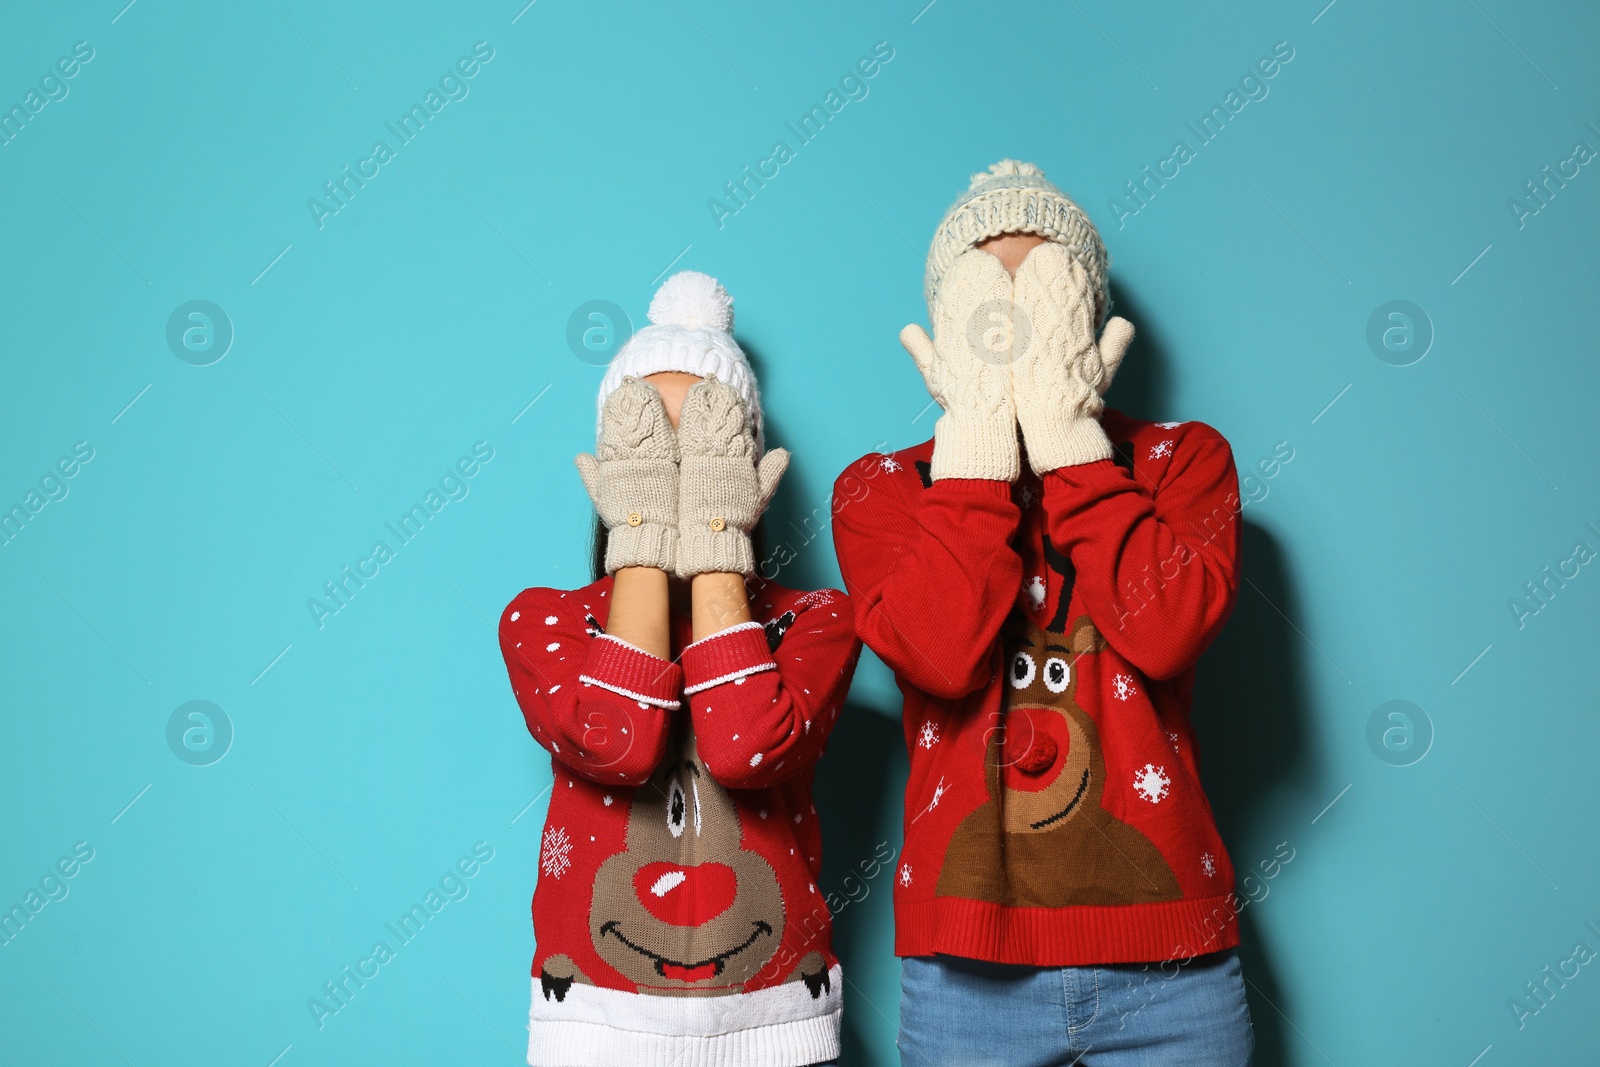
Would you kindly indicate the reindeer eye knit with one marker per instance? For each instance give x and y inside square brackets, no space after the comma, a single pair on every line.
[678,917]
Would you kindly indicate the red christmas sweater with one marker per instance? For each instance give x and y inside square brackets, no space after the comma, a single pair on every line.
[1044,635]
[677,915]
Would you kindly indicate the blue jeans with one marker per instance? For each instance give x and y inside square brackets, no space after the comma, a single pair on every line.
[967,1013]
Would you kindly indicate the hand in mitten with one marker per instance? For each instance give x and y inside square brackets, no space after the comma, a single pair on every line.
[965,368]
[1058,377]
[722,490]
[633,479]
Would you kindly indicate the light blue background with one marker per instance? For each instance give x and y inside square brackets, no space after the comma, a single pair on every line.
[371,754]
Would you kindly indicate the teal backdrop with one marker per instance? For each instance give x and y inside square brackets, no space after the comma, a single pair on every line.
[223,380]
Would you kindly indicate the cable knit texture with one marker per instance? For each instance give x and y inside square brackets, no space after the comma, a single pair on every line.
[1013,197]
[1059,374]
[965,370]
[691,324]
[722,490]
[633,479]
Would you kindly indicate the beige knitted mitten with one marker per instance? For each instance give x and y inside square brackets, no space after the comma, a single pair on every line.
[722,490]
[965,368]
[634,480]
[1057,379]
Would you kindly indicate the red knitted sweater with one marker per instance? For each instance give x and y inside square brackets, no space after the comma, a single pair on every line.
[677,914]
[1044,635]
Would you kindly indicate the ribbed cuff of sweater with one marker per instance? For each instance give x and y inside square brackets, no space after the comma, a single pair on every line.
[628,671]
[727,656]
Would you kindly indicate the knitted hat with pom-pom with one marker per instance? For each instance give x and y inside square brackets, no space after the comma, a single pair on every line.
[691,323]
[1013,197]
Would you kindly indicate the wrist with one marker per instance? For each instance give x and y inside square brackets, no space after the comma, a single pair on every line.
[720,600]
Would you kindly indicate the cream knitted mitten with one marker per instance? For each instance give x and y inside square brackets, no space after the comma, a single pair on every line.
[722,490]
[1058,378]
[633,479]
[965,368]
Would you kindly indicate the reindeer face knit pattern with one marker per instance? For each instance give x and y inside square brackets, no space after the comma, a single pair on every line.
[1044,635]
[677,916]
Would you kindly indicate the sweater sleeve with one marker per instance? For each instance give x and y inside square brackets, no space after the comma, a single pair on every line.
[933,578]
[762,715]
[1157,565]
[598,704]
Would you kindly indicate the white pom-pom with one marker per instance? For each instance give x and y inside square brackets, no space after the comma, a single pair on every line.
[1006,168]
[694,301]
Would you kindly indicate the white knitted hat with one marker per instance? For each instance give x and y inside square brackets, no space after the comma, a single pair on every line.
[1015,197]
[691,323]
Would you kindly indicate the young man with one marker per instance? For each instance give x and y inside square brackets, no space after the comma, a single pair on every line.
[1042,577]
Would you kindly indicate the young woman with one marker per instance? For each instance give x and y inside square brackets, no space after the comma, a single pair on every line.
[684,703]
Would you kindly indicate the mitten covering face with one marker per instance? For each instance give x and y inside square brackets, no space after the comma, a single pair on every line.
[722,488]
[635,425]
[1058,377]
[715,422]
[633,479]
[965,369]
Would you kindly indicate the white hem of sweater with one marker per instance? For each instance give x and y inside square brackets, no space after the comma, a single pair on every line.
[700,687]
[670,705]
[752,624]
[781,1026]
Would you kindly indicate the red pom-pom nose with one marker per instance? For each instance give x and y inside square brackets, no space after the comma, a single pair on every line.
[1037,741]
[1041,754]
[686,896]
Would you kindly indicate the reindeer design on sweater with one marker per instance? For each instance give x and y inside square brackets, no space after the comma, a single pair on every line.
[684,910]
[1043,839]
